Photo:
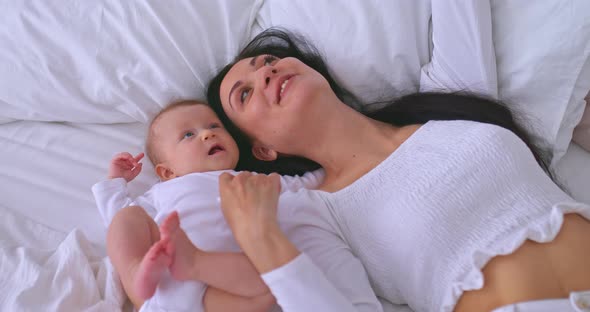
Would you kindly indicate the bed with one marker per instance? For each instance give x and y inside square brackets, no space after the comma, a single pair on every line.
[81,80]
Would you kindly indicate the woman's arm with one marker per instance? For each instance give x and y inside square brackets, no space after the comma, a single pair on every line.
[249,204]
[463,57]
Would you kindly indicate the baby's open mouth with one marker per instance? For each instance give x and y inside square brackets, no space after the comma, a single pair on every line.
[215,149]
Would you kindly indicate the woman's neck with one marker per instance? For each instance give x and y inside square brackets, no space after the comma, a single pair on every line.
[349,144]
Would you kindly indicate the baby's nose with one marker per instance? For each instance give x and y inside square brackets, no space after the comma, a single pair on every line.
[207,134]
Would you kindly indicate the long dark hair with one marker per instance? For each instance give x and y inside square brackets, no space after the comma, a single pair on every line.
[416,108]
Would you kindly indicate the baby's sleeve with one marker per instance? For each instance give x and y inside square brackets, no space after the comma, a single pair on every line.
[310,180]
[112,195]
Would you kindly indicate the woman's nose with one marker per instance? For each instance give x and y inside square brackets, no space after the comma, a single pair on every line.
[265,75]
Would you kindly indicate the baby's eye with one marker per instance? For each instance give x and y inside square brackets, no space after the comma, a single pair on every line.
[188,134]
[244,95]
[214,125]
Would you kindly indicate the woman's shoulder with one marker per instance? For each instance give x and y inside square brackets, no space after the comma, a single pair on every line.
[459,127]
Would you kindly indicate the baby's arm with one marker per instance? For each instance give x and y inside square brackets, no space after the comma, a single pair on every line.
[218,300]
[111,195]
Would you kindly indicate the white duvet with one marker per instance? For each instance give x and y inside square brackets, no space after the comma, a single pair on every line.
[42,269]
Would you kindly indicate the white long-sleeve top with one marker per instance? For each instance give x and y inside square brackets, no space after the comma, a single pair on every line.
[195,196]
[462,59]
[427,219]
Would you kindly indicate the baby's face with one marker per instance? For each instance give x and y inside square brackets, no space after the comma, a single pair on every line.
[192,139]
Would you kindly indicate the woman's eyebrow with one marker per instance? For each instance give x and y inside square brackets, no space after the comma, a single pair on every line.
[235,86]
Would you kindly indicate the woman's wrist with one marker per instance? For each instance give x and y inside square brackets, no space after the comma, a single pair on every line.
[269,251]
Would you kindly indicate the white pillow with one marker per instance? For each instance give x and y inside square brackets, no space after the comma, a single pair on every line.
[375,48]
[582,131]
[113,61]
[542,52]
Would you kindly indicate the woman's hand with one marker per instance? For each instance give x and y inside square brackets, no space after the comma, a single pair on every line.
[249,204]
[125,166]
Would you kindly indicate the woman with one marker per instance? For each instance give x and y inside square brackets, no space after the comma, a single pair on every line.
[441,196]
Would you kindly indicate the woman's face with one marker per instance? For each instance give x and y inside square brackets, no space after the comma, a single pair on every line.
[272,99]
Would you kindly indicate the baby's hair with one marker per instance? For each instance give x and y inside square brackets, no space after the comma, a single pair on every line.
[150,144]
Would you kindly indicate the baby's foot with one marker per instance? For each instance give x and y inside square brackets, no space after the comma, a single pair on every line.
[184,253]
[151,268]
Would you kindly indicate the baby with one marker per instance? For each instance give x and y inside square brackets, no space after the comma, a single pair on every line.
[189,148]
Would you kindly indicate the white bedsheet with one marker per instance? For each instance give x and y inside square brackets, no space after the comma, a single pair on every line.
[48,168]
[51,236]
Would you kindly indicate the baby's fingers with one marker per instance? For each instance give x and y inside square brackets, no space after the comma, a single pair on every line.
[123,156]
[138,157]
[136,170]
[124,163]
[127,160]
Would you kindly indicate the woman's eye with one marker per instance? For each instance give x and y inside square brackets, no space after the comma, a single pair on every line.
[244,95]
[188,134]
[268,60]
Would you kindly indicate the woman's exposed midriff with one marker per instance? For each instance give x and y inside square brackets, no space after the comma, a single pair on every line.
[536,271]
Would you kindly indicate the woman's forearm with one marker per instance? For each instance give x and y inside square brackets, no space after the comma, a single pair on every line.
[249,204]
[269,250]
[301,286]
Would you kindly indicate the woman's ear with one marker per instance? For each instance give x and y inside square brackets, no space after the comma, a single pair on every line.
[263,153]
[164,173]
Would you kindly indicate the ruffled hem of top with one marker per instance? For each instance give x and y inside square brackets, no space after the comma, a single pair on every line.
[545,229]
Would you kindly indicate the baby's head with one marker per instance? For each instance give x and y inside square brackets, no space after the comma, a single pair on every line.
[187,137]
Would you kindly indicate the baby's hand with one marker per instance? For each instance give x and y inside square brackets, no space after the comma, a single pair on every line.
[125,166]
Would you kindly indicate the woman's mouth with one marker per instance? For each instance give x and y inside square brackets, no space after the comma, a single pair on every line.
[215,149]
[283,87]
